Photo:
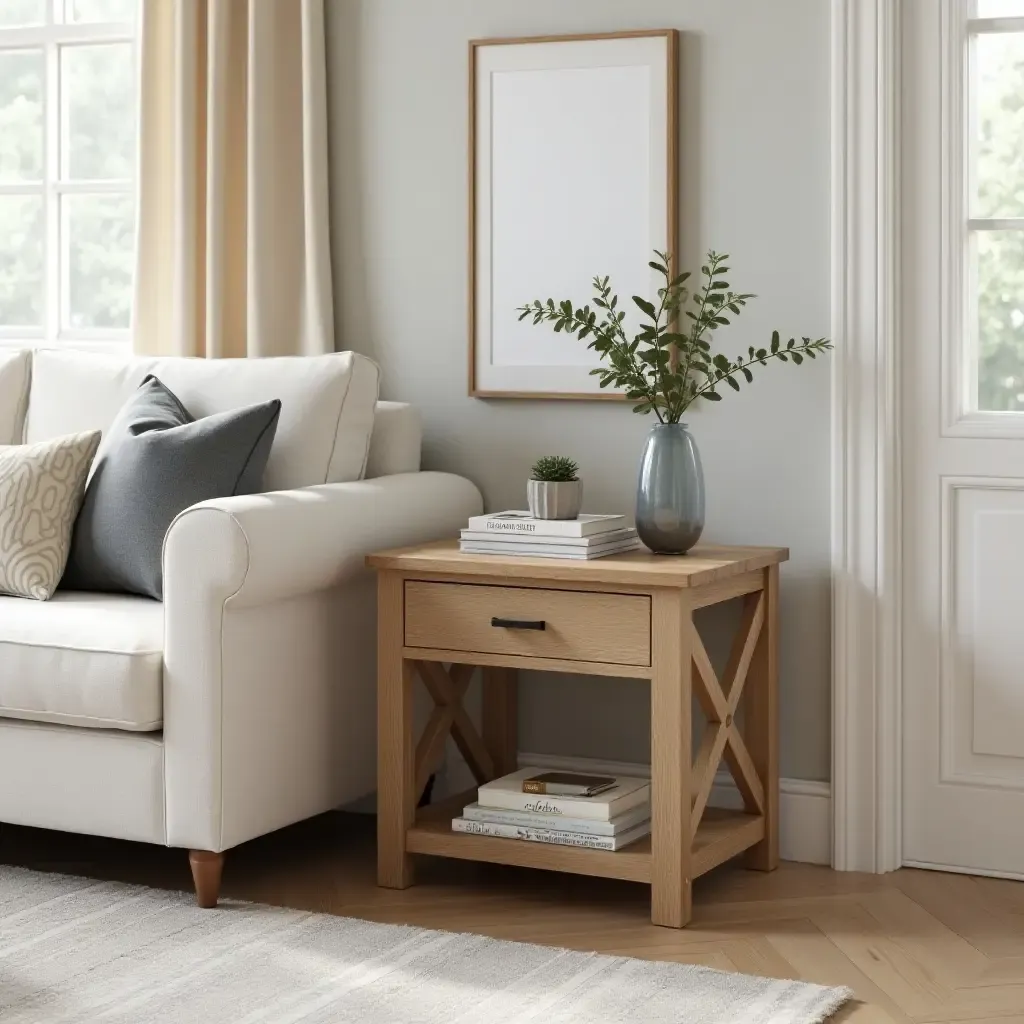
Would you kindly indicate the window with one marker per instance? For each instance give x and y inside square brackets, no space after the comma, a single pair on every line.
[995,172]
[67,169]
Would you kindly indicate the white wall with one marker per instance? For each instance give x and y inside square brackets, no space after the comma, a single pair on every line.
[754,181]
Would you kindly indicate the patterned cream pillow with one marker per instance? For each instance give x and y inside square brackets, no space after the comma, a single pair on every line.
[41,488]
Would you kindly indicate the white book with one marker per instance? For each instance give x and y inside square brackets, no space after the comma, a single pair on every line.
[548,550]
[507,793]
[517,521]
[545,835]
[586,826]
[584,543]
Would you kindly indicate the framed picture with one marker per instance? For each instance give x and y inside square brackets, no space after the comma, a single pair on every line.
[573,173]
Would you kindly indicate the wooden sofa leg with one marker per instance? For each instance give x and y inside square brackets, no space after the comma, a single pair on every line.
[206,872]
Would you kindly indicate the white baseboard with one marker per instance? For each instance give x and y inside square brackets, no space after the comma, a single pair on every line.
[805,808]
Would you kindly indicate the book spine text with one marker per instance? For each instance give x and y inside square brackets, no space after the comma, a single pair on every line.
[524,819]
[562,806]
[512,527]
[533,835]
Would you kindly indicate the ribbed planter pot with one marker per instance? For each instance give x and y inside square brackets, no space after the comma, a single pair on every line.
[554,500]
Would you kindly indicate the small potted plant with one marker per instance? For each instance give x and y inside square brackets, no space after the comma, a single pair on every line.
[554,489]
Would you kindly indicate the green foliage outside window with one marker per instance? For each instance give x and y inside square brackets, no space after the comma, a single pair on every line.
[1000,193]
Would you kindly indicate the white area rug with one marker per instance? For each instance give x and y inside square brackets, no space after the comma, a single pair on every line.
[74,951]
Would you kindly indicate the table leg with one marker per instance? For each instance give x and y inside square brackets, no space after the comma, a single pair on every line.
[671,878]
[396,780]
[762,723]
[499,717]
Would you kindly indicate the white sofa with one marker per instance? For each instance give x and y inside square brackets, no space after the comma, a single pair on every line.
[245,701]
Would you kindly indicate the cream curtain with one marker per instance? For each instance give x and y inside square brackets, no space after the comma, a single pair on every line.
[233,243]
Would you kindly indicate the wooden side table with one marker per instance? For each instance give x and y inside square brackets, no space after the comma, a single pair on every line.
[442,612]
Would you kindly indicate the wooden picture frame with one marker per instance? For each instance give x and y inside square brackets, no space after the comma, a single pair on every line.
[549,209]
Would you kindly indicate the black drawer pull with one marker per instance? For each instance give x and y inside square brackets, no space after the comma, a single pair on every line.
[518,623]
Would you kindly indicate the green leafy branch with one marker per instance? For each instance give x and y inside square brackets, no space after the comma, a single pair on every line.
[662,368]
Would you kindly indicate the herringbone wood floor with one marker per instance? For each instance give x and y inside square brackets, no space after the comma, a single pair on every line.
[915,946]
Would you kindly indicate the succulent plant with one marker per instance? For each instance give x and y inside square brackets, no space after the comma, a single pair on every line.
[555,469]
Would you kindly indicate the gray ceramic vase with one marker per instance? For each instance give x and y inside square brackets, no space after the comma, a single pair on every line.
[670,492]
[554,499]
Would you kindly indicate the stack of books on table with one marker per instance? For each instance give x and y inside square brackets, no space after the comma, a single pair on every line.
[563,808]
[518,533]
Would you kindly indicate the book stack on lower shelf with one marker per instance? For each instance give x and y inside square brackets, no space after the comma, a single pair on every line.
[518,533]
[565,809]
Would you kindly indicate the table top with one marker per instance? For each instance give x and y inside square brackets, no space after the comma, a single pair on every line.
[704,564]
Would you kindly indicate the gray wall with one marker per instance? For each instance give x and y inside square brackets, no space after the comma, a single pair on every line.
[755,183]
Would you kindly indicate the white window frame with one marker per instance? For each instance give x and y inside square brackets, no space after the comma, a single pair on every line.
[959,337]
[51,36]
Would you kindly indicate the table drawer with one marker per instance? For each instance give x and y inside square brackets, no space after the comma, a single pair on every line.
[567,624]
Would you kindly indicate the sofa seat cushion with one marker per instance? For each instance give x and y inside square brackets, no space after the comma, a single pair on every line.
[93,660]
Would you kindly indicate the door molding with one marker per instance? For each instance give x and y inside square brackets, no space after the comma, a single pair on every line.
[866,550]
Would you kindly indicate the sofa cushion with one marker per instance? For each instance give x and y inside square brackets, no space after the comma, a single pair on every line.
[15,369]
[396,442]
[156,460]
[41,488]
[92,660]
[327,403]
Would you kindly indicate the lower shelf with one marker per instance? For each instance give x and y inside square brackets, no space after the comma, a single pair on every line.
[722,834]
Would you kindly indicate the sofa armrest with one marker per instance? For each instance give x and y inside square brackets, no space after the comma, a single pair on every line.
[257,548]
[269,648]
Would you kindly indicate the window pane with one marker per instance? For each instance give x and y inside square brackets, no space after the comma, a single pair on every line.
[99,236]
[21,261]
[21,12]
[999,125]
[1000,8]
[21,115]
[999,279]
[101,10]
[98,96]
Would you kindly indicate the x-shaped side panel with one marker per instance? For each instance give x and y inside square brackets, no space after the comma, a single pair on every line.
[719,702]
[448,687]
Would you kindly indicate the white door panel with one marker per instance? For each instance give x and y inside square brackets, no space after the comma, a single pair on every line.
[962,349]
[986,628]
[973,832]
[983,596]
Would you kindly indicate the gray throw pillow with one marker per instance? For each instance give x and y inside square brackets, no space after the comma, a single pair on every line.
[155,461]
